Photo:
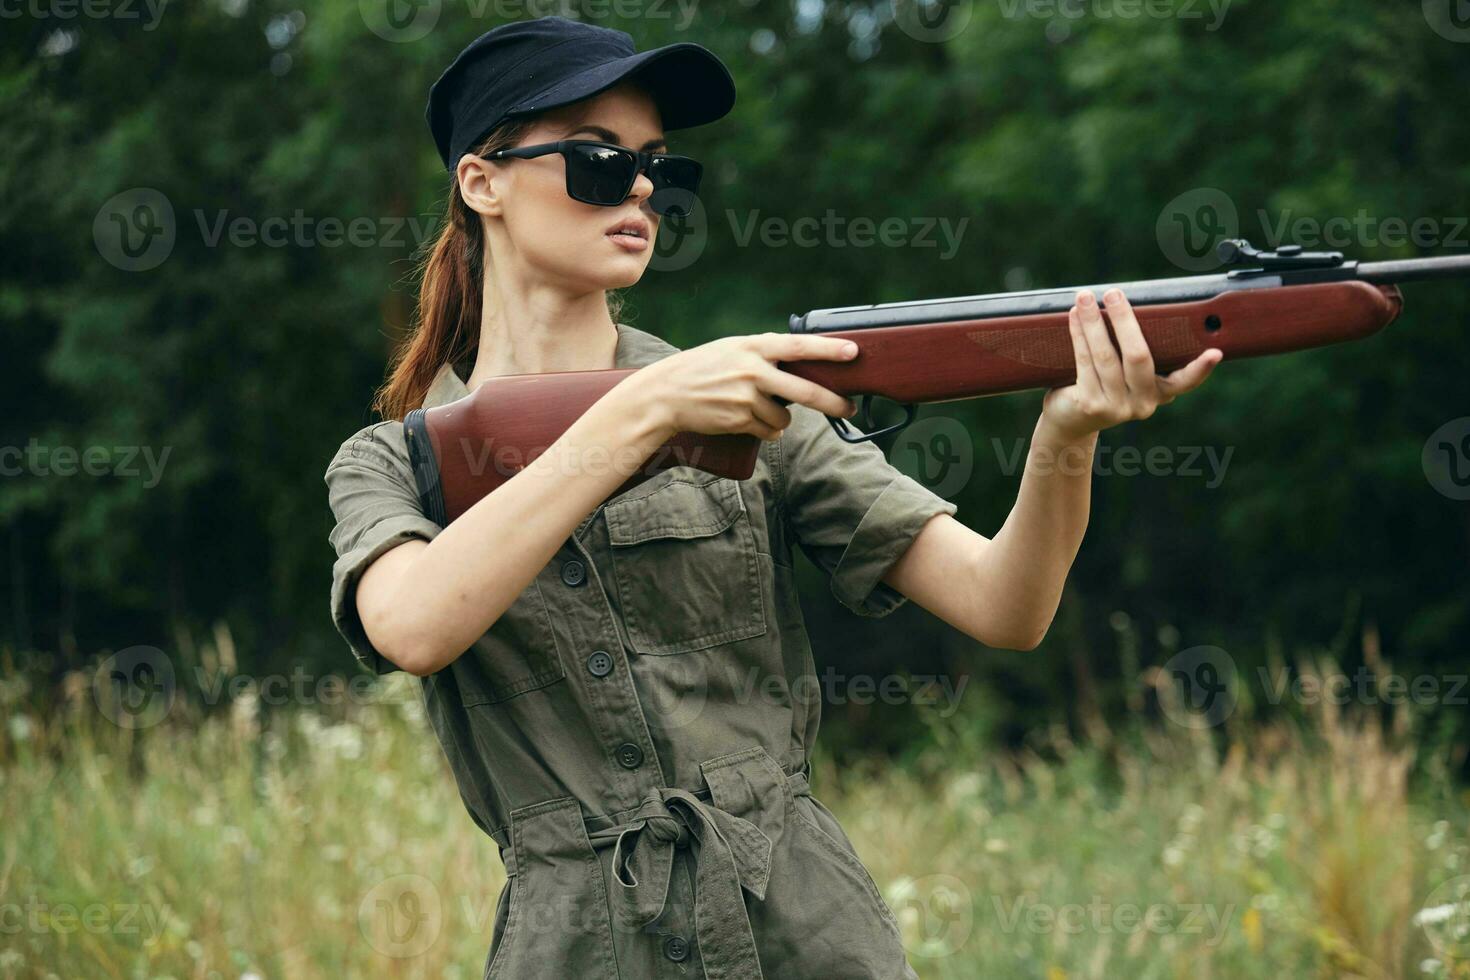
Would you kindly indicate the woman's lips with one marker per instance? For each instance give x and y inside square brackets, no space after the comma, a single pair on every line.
[630,242]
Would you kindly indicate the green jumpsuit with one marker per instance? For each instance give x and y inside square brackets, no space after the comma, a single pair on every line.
[634,731]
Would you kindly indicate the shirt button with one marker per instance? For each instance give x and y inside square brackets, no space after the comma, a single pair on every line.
[574,572]
[630,756]
[676,948]
[599,664]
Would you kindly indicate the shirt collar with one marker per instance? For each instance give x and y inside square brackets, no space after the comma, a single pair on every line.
[635,348]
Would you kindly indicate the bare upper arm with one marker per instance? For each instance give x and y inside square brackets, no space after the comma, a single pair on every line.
[377,596]
[940,571]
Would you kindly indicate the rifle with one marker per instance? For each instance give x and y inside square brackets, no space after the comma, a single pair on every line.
[911,353]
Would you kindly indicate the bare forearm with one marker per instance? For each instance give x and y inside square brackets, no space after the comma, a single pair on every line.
[456,587]
[1026,565]
[1016,578]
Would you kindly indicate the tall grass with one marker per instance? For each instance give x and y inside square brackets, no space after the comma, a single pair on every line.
[331,843]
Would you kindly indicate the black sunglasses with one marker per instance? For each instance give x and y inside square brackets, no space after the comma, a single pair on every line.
[603,173]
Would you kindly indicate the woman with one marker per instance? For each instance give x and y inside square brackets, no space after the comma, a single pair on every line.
[617,683]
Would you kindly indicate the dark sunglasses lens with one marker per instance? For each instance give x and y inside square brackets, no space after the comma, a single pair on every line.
[675,183]
[598,175]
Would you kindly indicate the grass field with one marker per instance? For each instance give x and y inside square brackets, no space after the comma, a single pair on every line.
[300,846]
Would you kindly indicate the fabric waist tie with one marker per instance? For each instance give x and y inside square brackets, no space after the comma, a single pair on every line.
[730,854]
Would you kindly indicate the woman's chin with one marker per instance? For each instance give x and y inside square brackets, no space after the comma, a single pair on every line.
[623,272]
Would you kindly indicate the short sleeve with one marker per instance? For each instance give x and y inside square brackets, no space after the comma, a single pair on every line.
[371,490]
[851,512]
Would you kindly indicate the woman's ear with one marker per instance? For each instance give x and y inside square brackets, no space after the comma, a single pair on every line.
[477,185]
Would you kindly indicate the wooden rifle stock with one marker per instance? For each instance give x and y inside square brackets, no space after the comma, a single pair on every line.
[464,450]
[936,350]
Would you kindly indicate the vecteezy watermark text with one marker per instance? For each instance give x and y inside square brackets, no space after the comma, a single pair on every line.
[301,230]
[1060,15]
[1102,917]
[36,459]
[1192,224]
[507,459]
[1364,686]
[403,22]
[1364,230]
[939,452]
[35,915]
[137,230]
[833,230]
[147,11]
[138,687]
[833,687]
[1186,461]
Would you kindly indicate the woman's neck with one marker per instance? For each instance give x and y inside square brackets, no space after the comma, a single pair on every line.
[543,330]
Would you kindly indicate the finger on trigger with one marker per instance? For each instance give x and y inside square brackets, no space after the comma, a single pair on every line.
[808,393]
[772,414]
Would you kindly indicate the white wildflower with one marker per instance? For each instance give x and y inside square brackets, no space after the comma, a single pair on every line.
[1435,914]
[21,728]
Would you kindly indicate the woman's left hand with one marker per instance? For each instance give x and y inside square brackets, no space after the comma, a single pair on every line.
[1115,384]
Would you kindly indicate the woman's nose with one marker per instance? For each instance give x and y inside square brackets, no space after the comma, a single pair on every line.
[642,188]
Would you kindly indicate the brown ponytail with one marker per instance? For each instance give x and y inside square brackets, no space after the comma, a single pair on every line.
[451,292]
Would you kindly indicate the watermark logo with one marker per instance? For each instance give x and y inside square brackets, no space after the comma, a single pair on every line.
[1450,19]
[135,230]
[681,239]
[937,452]
[933,21]
[139,687]
[483,455]
[1198,687]
[401,916]
[1446,459]
[1445,918]
[400,21]
[1192,224]
[935,913]
[679,699]
[135,688]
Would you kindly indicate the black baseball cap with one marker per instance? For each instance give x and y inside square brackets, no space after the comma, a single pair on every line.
[533,65]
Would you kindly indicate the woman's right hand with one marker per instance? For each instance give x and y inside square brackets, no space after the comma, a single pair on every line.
[730,384]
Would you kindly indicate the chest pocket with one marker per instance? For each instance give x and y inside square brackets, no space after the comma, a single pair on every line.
[685,562]
[518,654]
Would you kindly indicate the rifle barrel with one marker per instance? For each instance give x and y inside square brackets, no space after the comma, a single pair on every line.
[1415,270]
[988,305]
[1146,293]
